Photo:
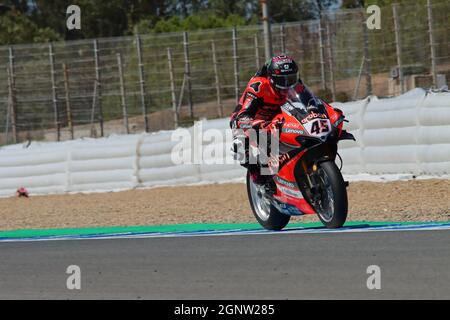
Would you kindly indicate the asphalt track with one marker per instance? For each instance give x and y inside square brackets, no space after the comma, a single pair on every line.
[414,265]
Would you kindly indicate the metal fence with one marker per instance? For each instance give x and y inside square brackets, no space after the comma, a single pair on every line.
[67,90]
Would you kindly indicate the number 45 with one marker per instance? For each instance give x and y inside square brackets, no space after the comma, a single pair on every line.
[319,126]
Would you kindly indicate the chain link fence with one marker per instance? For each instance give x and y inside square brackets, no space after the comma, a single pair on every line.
[92,88]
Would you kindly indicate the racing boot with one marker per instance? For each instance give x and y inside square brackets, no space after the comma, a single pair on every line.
[269,186]
[265,181]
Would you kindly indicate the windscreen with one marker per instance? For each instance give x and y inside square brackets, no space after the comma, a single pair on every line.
[295,101]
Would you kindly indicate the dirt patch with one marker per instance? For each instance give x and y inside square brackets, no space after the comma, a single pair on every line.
[421,200]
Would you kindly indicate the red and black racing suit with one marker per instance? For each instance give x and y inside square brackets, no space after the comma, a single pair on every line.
[260,103]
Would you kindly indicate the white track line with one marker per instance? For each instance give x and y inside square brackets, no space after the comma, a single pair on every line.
[239,232]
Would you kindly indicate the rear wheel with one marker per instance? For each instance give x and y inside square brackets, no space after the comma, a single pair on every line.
[267,215]
[332,204]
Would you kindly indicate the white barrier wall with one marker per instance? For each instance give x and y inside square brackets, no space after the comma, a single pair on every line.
[407,134]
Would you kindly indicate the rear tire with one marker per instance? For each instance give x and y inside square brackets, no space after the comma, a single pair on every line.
[337,213]
[267,215]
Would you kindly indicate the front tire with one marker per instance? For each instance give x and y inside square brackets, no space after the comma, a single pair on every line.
[333,206]
[267,215]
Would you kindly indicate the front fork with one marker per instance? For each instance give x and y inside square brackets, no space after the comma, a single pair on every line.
[312,185]
[307,181]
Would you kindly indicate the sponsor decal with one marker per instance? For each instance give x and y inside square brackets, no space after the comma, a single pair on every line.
[286,68]
[284,158]
[288,209]
[282,59]
[276,161]
[290,192]
[313,115]
[287,183]
[293,131]
[251,95]
[292,125]
[339,121]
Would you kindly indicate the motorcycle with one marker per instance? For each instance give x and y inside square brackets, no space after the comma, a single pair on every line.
[308,181]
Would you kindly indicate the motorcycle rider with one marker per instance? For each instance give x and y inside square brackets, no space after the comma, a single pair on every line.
[265,93]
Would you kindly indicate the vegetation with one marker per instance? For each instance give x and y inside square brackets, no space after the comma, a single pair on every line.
[16,27]
[24,21]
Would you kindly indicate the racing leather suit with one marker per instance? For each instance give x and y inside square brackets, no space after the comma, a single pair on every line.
[259,104]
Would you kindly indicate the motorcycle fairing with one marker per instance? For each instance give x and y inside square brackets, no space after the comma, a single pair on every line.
[289,194]
[288,191]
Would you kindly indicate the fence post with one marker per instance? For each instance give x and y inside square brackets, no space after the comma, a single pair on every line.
[123,95]
[93,131]
[68,108]
[282,39]
[12,95]
[187,73]
[172,88]
[321,55]
[142,82]
[398,46]
[216,77]
[367,61]
[267,34]
[236,65]
[331,63]
[257,52]
[300,40]
[99,86]
[54,96]
[432,45]
[358,81]
[8,109]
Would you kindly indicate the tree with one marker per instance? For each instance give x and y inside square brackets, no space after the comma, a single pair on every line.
[108,18]
[192,22]
[16,27]
[295,10]
[350,4]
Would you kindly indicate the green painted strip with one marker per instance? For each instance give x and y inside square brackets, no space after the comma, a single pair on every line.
[173,228]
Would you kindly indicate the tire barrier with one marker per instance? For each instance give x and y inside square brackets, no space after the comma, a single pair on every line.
[409,134]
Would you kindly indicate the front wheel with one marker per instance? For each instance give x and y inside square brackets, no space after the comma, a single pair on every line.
[267,215]
[332,203]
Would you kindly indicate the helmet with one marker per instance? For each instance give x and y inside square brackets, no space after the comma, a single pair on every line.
[282,72]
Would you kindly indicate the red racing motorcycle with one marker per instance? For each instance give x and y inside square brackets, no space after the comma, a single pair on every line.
[308,180]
